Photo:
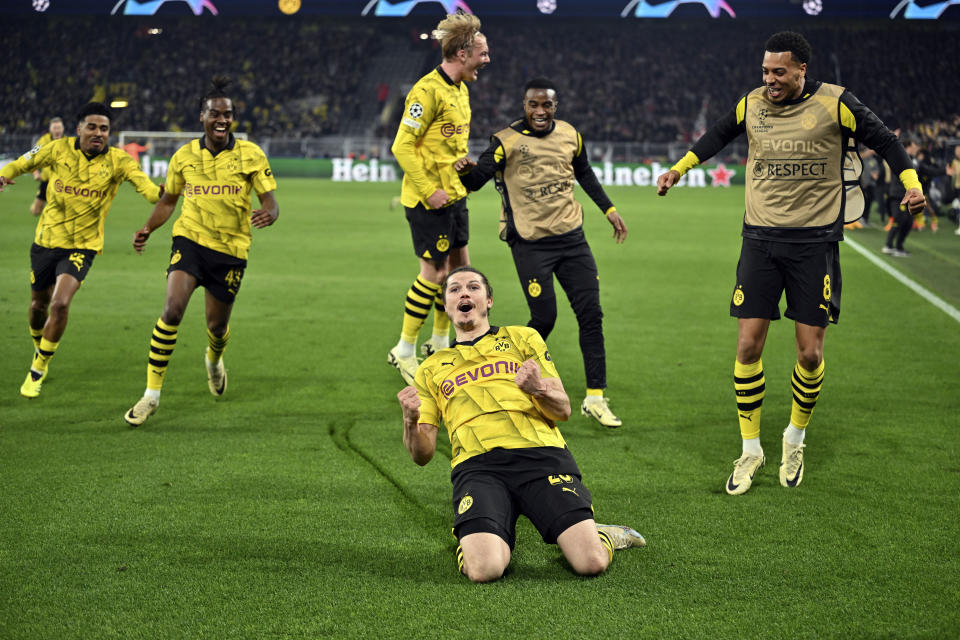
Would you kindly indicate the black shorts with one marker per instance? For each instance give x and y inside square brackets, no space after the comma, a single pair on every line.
[42,191]
[436,231]
[809,272]
[219,273]
[47,264]
[492,490]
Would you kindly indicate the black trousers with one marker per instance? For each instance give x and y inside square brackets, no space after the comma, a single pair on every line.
[903,220]
[570,259]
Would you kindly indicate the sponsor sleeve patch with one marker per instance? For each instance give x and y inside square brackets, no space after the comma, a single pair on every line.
[411,123]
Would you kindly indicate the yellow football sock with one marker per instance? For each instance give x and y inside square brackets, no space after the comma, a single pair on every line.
[162,342]
[217,345]
[45,351]
[420,298]
[749,384]
[806,390]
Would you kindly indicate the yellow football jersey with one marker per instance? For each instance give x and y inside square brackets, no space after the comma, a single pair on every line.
[433,134]
[216,193]
[472,388]
[42,140]
[80,192]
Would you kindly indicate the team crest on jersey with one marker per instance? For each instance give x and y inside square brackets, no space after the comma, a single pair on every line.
[738,297]
[175,258]
[826,288]
[465,503]
[415,110]
[233,166]
[808,121]
[443,244]
[502,345]
[534,288]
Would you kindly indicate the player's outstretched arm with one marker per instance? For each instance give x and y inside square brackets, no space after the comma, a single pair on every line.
[161,213]
[419,438]
[547,393]
[268,212]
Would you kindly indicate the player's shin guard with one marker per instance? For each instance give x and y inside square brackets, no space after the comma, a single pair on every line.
[162,342]
[37,335]
[749,384]
[607,543]
[806,390]
[420,298]
[217,345]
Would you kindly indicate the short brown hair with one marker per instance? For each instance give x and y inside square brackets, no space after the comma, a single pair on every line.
[455,32]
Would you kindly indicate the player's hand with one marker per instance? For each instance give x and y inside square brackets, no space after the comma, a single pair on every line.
[261,218]
[667,180]
[914,201]
[528,378]
[5,181]
[140,237]
[410,405]
[464,164]
[438,199]
[619,226]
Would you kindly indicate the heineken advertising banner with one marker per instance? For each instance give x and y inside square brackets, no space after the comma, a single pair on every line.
[610,174]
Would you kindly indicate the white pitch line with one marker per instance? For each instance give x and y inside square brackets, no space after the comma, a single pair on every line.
[927,295]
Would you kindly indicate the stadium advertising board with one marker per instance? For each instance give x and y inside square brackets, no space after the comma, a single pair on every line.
[644,9]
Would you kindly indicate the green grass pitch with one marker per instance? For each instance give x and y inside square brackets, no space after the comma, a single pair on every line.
[289,508]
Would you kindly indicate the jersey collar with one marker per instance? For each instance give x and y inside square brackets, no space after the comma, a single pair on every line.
[469,343]
[89,156]
[446,78]
[231,142]
[810,87]
[522,127]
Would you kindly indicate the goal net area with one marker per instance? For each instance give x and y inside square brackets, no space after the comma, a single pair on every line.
[153,149]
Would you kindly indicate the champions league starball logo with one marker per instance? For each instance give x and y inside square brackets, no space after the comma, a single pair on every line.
[403,7]
[654,9]
[150,7]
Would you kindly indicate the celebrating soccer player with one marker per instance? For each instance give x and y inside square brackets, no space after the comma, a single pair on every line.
[500,396]
[536,161]
[211,238]
[54,132]
[802,184]
[433,134]
[86,173]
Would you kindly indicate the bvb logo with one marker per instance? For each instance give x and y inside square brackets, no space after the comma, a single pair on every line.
[503,345]
[738,297]
[808,121]
[77,260]
[442,243]
[534,288]
[175,258]
[826,288]
[465,503]
[234,165]
[758,169]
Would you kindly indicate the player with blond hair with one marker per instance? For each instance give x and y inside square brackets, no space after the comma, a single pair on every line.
[433,134]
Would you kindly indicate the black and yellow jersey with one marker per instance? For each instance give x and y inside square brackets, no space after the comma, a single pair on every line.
[42,140]
[433,134]
[80,191]
[216,193]
[535,173]
[803,168]
[471,387]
